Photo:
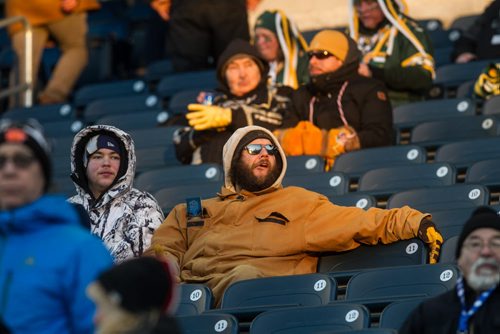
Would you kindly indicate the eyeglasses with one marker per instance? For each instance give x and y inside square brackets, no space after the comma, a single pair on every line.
[254,149]
[477,245]
[319,54]
[22,161]
[370,6]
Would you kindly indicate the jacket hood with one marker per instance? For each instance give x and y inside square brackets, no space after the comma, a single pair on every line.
[47,210]
[394,11]
[125,177]
[235,48]
[230,149]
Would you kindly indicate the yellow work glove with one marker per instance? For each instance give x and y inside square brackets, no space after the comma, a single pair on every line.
[203,117]
[338,142]
[428,233]
[304,138]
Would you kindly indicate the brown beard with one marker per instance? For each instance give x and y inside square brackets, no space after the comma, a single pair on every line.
[243,177]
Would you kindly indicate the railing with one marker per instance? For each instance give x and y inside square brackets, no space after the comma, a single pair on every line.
[27,85]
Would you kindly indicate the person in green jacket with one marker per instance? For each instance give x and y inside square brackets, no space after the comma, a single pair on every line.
[396,50]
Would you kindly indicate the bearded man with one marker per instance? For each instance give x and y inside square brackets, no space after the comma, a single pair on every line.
[256,228]
[473,306]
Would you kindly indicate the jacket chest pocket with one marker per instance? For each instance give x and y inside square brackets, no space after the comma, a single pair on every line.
[273,234]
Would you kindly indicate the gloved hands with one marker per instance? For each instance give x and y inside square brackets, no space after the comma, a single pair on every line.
[203,117]
[428,233]
[303,139]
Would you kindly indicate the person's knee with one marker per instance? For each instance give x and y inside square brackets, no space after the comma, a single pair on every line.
[244,271]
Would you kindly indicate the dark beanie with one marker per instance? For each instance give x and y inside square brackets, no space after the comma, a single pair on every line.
[247,139]
[100,141]
[29,133]
[482,217]
[141,284]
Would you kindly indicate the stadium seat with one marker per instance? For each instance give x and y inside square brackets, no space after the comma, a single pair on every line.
[135,120]
[362,201]
[328,184]
[395,314]
[485,172]
[156,137]
[247,298]
[448,250]
[194,299]
[121,105]
[382,182]
[92,92]
[217,323]
[457,196]
[42,113]
[312,320]
[158,70]
[304,165]
[463,22]
[411,114]
[152,158]
[433,134]
[356,163]
[177,82]
[169,197]
[64,128]
[179,101]
[396,283]
[154,180]
[463,154]
[451,222]
[466,89]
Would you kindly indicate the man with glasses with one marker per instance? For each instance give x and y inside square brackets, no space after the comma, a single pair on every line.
[48,258]
[396,50]
[256,228]
[340,110]
[473,306]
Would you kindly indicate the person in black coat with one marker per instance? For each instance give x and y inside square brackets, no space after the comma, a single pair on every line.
[472,307]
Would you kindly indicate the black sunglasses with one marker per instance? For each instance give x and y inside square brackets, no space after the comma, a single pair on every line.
[319,54]
[22,161]
[254,149]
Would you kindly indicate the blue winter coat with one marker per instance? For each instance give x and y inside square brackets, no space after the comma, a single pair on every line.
[46,262]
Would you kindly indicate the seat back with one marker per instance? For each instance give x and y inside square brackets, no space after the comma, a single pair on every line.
[92,92]
[359,200]
[317,319]
[356,163]
[194,299]
[179,101]
[395,283]
[208,323]
[42,113]
[448,249]
[156,137]
[485,172]
[304,165]
[176,82]
[121,105]
[463,154]
[280,291]
[395,314]
[146,119]
[451,222]
[328,184]
[441,198]
[169,197]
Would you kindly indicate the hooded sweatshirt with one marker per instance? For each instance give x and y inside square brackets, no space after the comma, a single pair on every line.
[276,231]
[123,217]
[363,101]
[398,52]
[47,261]
[261,106]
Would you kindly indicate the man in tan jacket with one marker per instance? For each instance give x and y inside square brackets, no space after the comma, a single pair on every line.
[257,228]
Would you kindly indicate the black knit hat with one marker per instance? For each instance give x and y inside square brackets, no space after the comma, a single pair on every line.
[140,284]
[29,133]
[482,217]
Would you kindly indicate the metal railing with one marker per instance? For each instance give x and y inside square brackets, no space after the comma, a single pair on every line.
[27,85]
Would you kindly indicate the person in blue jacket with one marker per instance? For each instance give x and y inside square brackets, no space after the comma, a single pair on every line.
[47,258]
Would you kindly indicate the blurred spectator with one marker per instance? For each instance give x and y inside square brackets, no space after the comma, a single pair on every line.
[281,44]
[48,258]
[257,228]
[135,296]
[246,100]
[199,30]
[396,50]
[66,22]
[339,109]
[488,82]
[482,39]
[103,168]
[473,306]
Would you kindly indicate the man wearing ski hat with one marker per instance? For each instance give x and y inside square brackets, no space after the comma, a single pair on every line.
[472,307]
[340,110]
[103,168]
[48,258]
[257,228]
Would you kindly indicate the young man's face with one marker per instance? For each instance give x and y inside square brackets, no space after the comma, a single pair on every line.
[480,258]
[369,13]
[257,171]
[267,44]
[102,169]
[242,75]
[21,176]
[321,62]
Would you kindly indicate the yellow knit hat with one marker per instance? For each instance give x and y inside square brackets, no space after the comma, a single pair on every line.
[332,41]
